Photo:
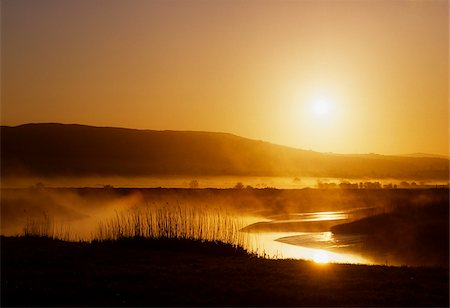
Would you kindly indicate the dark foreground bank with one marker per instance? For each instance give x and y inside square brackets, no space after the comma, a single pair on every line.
[44,272]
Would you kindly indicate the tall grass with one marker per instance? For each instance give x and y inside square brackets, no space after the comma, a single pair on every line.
[152,221]
[178,222]
[41,226]
[44,226]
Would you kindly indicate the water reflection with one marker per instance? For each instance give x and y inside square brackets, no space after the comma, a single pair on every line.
[322,257]
[324,240]
[273,245]
[320,246]
[306,217]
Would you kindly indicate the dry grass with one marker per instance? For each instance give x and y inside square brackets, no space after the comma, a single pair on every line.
[45,226]
[179,222]
[152,221]
[40,227]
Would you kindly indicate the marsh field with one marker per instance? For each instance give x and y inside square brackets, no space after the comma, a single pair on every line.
[234,246]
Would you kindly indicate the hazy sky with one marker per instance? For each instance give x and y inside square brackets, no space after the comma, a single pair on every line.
[335,76]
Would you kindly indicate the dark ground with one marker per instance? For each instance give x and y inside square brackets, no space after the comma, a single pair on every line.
[410,234]
[44,272]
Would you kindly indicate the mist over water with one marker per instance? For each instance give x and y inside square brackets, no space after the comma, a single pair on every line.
[272,223]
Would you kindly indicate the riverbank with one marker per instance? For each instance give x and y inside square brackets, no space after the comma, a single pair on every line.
[45,272]
[411,234]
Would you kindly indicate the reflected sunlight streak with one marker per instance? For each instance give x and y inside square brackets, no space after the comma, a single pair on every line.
[265,244]
[321,256]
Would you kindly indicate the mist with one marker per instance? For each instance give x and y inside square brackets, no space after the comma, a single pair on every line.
[79,213]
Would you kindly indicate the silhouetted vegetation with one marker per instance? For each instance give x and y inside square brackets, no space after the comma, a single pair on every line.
[174,272]
[193,184]
[174,222]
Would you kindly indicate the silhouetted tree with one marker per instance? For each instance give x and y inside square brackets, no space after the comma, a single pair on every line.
[239,185]
[193,184]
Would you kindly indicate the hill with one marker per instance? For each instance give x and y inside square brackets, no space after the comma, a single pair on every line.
[75,150]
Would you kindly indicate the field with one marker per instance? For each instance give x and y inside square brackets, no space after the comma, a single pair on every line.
[184,247]
[44,272]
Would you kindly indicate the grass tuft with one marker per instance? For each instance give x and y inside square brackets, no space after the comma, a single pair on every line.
[161,225]
[173,222]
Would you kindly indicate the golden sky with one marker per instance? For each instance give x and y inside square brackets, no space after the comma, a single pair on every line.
[335,76]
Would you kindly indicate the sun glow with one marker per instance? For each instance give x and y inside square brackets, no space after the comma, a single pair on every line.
[322,108]
[321,257]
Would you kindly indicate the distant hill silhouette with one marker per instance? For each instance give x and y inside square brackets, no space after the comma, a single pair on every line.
[75,150]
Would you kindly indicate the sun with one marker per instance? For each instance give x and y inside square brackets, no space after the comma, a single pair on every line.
[322,108]
[321,256]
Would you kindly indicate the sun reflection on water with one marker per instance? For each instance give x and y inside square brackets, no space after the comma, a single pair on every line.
[266,244]
[321,256]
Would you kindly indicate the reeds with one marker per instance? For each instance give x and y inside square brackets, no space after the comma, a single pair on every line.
[39,227]
[178,222]
[44,226]
[152,221]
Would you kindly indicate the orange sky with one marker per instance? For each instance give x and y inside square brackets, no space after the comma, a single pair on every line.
[335,76]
